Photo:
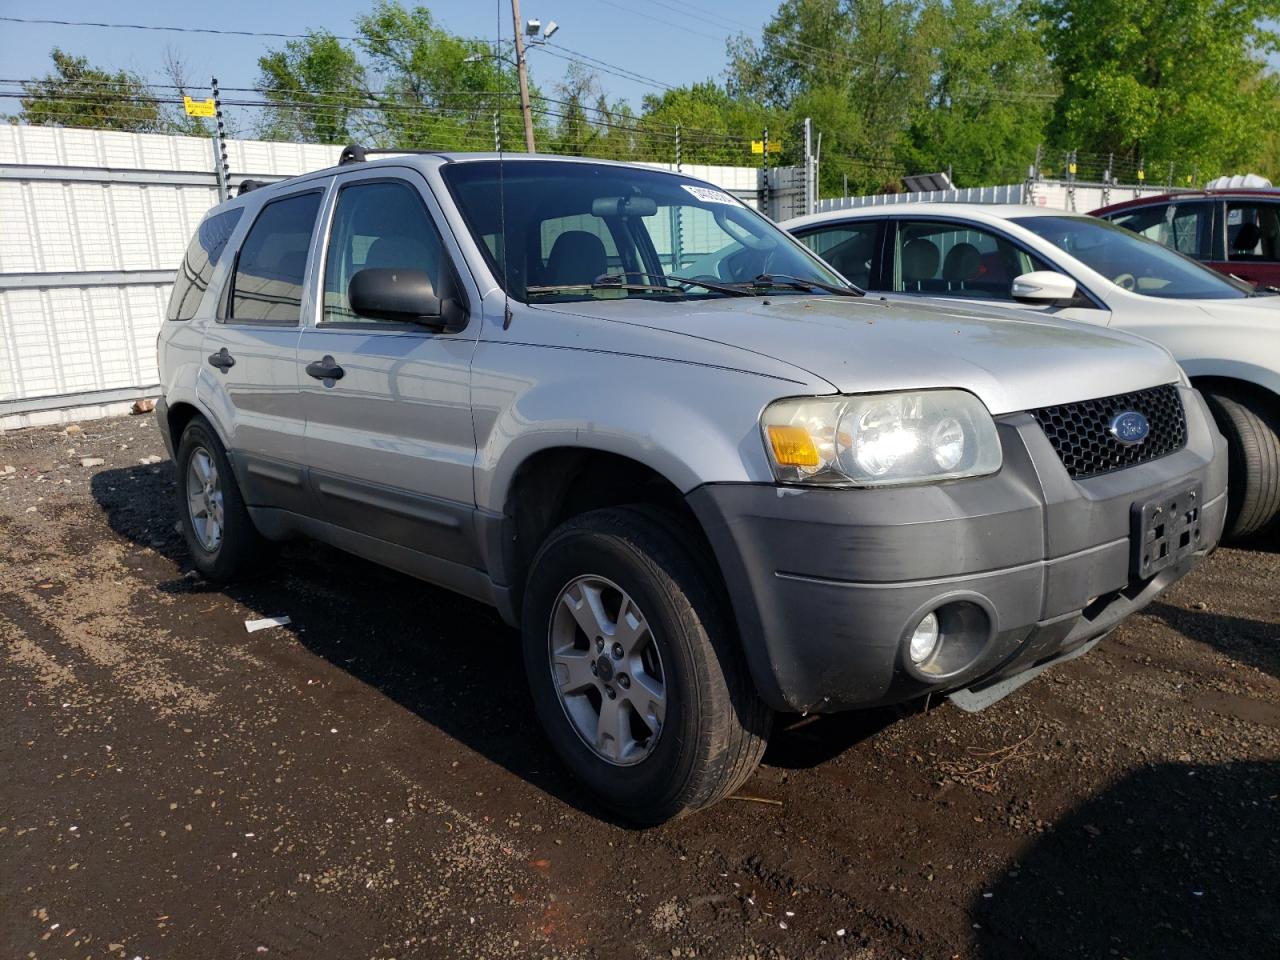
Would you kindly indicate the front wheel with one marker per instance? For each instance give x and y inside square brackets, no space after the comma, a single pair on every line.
[634,670]
[1253,460]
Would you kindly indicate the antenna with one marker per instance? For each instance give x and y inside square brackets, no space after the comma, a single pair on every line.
[502,181]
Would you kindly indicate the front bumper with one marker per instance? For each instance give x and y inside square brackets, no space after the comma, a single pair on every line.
[827,584]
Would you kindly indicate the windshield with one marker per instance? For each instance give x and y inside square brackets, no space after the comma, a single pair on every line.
[1130,261]
[583,231]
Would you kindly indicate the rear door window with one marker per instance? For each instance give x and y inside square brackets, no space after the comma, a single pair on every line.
[849,247]
[1252,229]
[272,264]
[197,264]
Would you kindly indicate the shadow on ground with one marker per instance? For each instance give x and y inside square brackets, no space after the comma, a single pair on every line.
[1254,642]
[1177,862]
[450,660]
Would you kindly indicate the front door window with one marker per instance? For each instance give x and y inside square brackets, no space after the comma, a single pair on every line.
[957,260]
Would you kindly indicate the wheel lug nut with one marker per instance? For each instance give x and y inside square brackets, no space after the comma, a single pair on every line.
[617,651]
[624,681]
[599,643]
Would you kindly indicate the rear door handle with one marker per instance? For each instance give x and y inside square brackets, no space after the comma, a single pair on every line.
[326,369]
[222,360]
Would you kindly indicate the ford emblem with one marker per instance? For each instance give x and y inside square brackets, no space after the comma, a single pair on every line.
[1129,427]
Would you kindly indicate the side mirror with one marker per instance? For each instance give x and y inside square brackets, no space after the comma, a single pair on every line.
[390,293]
[1043,286]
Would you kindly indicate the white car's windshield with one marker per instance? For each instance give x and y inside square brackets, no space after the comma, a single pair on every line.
[1130,261]
[557,231]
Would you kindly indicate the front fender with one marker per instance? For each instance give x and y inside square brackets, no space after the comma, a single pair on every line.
[1234,370]
[690,423]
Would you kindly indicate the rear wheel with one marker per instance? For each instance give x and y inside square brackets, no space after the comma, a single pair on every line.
[1252,429]
[220,534]
[634,670]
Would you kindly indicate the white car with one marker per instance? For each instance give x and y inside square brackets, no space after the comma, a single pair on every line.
[1225,335]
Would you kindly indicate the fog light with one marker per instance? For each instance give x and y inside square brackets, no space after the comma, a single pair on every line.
[924,641]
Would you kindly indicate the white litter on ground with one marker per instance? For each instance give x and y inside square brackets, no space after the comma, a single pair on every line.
[266,623]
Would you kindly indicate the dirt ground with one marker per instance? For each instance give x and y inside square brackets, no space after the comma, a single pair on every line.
[368,781]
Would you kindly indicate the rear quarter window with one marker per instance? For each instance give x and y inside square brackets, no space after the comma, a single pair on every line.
[196,270]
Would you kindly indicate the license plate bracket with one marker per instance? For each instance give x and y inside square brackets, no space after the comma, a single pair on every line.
[1165,529]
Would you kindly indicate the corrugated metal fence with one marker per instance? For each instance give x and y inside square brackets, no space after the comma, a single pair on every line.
[92,226]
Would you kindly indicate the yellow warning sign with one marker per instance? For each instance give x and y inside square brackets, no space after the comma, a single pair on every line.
[198,108]
[757,146]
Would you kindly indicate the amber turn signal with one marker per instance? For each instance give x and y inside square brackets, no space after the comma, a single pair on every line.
[792,446]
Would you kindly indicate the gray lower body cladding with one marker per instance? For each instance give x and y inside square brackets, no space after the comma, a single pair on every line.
[827,584]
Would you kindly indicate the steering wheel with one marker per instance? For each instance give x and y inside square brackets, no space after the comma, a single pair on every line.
[1125,281]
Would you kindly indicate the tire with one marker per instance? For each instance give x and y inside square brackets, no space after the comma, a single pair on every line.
[1253,460]
[239,549]
[714,726]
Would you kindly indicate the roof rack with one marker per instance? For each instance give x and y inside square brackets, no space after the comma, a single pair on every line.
[354,153]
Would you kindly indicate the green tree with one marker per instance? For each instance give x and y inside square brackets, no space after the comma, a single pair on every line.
[991,90]
[1177,80]
[587,124]
[715,125]
[76,94]
[315,87]
[861,64]
[437,90]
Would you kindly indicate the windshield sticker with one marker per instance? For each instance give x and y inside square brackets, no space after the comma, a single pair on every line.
[1235,217]
[710,194]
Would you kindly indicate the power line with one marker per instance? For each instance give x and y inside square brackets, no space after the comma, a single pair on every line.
[217,31]
[604,65]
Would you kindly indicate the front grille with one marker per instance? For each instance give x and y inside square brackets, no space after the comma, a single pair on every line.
[1081,436]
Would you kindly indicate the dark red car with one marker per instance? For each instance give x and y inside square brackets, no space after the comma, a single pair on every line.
[1234,231]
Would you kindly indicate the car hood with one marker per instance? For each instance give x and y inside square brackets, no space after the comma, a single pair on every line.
[1009,360]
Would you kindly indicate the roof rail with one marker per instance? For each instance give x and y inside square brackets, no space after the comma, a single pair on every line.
[248,185]
[354,153]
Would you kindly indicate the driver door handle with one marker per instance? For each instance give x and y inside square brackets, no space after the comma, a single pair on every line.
[326,369]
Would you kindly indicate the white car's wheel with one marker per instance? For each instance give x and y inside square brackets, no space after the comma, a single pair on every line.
[1252,430]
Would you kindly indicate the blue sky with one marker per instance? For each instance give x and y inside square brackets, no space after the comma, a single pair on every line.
[671,41]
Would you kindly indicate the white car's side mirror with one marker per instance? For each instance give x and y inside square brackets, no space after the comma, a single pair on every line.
[1043,286]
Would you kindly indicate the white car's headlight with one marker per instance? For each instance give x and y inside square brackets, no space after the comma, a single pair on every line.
[881,439]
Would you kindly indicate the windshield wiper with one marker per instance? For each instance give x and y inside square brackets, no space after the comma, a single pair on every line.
[603,283]
[691,281]
[620,281]
[796,283]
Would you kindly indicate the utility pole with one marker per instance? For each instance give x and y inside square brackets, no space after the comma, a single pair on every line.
[523,73]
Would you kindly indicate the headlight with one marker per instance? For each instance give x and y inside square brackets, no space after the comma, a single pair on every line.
[881,439]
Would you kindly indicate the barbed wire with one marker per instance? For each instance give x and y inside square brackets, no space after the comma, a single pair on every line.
[466,120]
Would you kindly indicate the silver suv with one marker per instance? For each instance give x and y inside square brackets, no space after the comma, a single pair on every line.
[705,476]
